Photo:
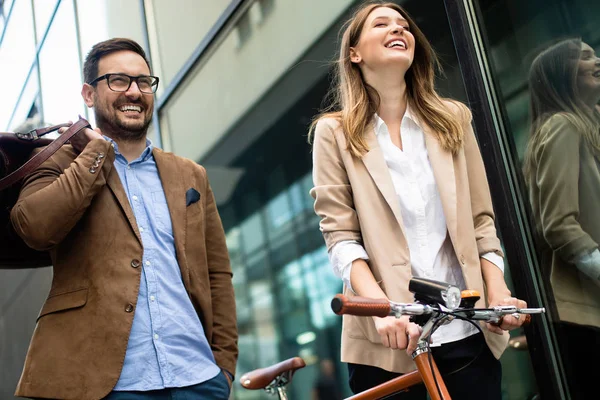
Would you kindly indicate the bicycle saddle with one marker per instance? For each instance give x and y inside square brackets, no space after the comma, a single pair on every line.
[262,377]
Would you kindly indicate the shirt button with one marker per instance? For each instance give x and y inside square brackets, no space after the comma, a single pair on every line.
[134,198]
[129,167]
[135,263]
[147,262]
[141,229]
[152,298]
[155,336]
[129,308]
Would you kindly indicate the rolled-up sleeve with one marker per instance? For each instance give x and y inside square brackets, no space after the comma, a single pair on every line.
[495,259]
[341,256]
[332,190]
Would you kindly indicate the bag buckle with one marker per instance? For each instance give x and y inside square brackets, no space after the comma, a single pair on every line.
[30,136]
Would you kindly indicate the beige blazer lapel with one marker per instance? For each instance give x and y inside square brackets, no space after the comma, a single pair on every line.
[379,171]
[442,163]
[115,185]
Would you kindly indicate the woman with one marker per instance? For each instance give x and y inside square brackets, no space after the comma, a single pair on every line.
[401,191]
[563,177]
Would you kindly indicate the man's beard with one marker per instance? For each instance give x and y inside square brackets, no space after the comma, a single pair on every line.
[109,122]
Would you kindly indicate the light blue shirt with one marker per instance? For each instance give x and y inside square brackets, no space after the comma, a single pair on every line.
[167,346]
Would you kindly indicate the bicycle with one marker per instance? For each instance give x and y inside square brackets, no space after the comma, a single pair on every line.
[436,303]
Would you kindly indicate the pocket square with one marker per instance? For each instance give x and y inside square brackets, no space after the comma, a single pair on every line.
[191,196]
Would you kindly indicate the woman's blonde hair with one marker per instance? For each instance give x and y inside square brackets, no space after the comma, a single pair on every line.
[553,90]
[354,102]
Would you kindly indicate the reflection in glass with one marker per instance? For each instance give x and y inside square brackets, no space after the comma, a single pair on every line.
[563,176]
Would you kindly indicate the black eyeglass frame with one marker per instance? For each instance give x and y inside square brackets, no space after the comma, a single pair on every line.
[131,79]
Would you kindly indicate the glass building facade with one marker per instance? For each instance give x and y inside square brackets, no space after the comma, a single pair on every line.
[240,82]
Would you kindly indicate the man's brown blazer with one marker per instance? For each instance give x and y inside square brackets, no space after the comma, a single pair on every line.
[82,215]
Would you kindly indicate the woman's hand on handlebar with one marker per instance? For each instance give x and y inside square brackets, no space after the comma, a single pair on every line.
[398,333]
[508,322]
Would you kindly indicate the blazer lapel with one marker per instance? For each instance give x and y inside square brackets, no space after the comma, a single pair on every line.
[115,185]
[442,163]
[378,169]
[172,183]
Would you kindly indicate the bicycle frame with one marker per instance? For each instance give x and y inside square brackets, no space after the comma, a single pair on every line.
[280,374]
[430,314]
[424,374]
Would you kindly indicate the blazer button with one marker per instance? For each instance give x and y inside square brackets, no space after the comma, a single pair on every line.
[135,263]
[129,308]
[462,259]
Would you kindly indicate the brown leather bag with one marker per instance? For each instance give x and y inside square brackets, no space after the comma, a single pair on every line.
[16,162]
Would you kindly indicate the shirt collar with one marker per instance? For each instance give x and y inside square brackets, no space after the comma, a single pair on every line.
[143,157]
[380,124]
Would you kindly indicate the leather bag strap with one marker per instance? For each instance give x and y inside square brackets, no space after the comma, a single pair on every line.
[46,153]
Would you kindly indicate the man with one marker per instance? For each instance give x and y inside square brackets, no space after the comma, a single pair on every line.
[142,303]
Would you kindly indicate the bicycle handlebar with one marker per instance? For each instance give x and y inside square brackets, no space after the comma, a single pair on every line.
[367,307]
[361,306]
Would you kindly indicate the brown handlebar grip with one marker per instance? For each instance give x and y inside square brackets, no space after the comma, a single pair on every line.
[360,306]
[526,321]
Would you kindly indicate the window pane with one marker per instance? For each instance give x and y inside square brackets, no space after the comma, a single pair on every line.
[27,104]
[545,61]
[60,70]
[17,52]
[100,20]
[43,11]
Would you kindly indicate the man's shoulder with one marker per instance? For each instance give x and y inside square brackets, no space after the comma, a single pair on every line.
[182,162]
[63,156]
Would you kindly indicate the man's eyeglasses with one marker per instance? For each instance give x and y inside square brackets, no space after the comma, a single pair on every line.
[122,82]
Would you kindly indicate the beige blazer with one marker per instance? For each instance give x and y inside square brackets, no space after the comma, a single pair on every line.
[355,199]
[564,191]
[82,215]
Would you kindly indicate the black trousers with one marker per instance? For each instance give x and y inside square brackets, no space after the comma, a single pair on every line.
[480,380]
[579,347]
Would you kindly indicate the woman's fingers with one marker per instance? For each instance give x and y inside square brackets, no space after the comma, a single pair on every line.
[392,332]
[413,332]
[508,322]
[392,337]
[385,340]
[494,328]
